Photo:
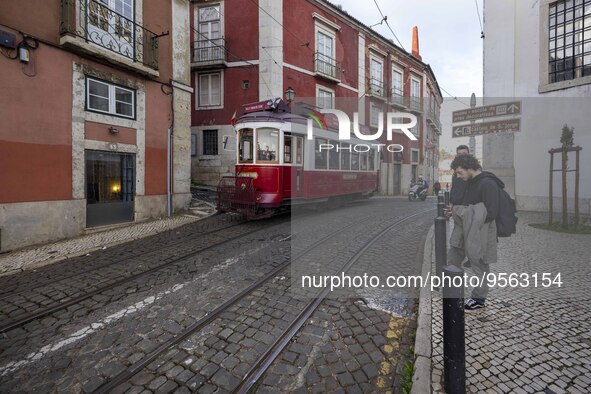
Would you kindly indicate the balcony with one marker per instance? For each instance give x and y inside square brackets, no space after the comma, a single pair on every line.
[375,88]
[416,105]
[433,119]
[397,99]
[91,27]
[326,67]
[209,52]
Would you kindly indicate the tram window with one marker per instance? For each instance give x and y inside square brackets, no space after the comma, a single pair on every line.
[333,156]
[267,142]
[299,150]
[354,161]
[320,158]
[372,160]
[363,161]
[345,157]
[288,148]
[245,146]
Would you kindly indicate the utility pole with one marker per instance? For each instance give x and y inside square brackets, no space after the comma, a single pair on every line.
[472,143]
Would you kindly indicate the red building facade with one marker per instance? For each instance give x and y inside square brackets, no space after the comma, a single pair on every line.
[86,117]
[245,51]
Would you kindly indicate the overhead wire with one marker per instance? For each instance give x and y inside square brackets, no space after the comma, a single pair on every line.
[385,19]
[479,19]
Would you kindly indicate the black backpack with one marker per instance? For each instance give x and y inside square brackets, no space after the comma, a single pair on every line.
[506,219]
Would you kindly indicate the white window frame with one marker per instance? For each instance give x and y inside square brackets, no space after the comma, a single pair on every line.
[198,105]
[198,35]
[401,72]
[418,156]
[327,30]
[372,106]
[379,60]
[320,88]
[112,98]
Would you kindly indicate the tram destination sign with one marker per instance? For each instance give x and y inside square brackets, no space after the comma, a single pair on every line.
[487,111]
[499,126]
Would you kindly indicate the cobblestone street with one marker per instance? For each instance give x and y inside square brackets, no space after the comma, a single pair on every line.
[144,315]
[527,339]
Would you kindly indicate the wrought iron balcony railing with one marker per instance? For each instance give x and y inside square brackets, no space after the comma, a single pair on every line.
[100,25]
[209,50]
[376,88]
[398,98]
[326,66]
[416,104]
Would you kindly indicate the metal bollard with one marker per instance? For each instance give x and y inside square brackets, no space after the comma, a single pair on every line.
[440,237]
[454,358]
[446,197]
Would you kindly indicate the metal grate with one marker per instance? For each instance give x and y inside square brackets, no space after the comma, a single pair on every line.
[210,142]
[569,40]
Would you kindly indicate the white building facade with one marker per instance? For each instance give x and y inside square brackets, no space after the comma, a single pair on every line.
[539,52]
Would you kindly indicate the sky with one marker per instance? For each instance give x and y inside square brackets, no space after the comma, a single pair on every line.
[449,39]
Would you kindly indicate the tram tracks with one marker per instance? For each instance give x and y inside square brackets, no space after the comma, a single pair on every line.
[8,289]
[64,303]
[266,359]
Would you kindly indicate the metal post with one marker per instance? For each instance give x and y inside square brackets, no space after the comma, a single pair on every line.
[440,237]
[564,190]
[446,197]
[551,188]
[577,190]
[454,343]
[168,178]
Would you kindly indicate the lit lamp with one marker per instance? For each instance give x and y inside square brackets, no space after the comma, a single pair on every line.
[289,94]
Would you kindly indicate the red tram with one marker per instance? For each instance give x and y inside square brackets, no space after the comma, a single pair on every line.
[278,166]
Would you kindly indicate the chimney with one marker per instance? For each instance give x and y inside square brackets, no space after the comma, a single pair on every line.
[415,43]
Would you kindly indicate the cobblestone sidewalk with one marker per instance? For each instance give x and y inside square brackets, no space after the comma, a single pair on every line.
[202,205]
[528,340]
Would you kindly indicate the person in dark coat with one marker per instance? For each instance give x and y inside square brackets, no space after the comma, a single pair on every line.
[458,185]
[481,187]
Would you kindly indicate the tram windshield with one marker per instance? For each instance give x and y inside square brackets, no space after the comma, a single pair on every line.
[267,143]
[245,146]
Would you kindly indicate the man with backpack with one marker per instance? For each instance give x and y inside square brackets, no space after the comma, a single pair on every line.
[475,229]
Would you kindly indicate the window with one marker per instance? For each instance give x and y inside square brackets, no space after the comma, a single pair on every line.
[363,161]
[210,142]
[320,158]
[210,90]
[325,53]
[111,25]
[345,157]
[108,98]
[414,156]
[397,87]
[267,143]
[354,161]
[374,115]
[333,156]
[376,78]
[325,98]
[372,160]
[570,40]
[292,145]
[415,93]
[209,35]
[245,144]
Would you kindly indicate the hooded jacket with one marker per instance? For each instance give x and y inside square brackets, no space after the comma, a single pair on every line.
[484,188]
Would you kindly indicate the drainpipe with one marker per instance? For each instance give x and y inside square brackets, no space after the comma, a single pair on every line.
[168,192]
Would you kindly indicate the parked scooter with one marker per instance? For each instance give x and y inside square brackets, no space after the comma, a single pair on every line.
[418,190]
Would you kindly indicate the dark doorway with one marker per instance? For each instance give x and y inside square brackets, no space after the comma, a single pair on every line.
[110,180]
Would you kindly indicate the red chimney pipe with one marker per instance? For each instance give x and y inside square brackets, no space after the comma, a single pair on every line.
[415,43]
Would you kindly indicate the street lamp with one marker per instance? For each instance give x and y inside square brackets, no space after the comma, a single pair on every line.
[289,94]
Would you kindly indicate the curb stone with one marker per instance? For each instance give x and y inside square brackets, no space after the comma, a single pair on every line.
[421,379]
